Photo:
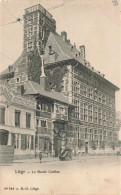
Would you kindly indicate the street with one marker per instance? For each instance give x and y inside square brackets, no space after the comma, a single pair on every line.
[82,175]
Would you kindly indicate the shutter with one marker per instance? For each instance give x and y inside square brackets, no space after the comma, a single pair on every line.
[2,115]
[32,139]
[23,142]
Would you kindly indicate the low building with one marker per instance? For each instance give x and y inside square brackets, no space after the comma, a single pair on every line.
[17,126]
[51,118]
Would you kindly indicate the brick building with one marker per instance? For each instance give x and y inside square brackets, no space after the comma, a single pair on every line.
[90,122]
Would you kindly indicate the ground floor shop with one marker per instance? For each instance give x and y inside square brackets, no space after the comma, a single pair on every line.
[24,144]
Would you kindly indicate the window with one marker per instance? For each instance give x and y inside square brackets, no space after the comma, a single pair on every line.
[90,93]
[85,111]
[95,94]
[95,115]
[28,120]
[86,136]
[13,140]
[2,115]
[32,142]
[90,114]
[43,123]
[18,80]
[28,141]
[37,122]
[76,102]
[104,99]
[38,105]
[99,116]
[104,117]
[16,140]
[30,46]
[61,110]
[23,142]
[100,97]
[17,118]
[66,111]
[85,90]
[43,107]
[91,137]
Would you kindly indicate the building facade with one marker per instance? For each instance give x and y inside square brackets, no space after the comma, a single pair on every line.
[83,117]
[17,127]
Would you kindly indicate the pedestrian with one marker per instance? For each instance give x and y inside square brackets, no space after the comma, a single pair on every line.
[35,154]
[40,156]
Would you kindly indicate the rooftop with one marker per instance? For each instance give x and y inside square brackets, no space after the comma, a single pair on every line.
[32,88]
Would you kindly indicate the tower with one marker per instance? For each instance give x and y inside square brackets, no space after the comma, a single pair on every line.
[38,23]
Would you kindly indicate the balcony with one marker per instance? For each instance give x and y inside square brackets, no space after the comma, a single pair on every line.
[59,117]
[43,130]
[43,114]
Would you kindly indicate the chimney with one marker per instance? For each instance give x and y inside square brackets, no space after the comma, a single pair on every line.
[43,76]
[74,44]
[98,72]
[20,89]
[64,35]
[68,41]
[10,67]
[82,51]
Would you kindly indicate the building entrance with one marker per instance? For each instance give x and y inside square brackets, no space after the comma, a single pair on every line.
[57,146]
[3,137]
[59,138]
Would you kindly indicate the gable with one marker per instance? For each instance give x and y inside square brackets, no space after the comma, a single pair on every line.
[3,98]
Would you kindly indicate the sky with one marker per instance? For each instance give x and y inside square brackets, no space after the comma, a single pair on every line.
[93,23]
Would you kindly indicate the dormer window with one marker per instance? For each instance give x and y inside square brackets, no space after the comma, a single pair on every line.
[72,48]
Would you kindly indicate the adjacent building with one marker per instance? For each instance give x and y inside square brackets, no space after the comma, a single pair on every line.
[17,126]
[75,104]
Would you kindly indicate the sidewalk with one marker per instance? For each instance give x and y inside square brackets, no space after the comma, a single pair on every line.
[36,160]
[52,159]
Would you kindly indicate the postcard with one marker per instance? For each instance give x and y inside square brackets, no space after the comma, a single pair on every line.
[60,99]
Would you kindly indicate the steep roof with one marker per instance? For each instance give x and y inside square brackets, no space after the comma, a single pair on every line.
[63,50]
[14,65]
[66,51]
[16,98]
[32,88]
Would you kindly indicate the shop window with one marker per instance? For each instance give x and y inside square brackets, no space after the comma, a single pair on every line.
[17,140]
[2,115]
[13,139]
